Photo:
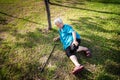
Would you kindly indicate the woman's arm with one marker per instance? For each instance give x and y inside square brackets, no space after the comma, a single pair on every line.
[74,38]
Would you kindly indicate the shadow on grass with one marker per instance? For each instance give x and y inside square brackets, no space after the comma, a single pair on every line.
[32,39]
[19,71]
[84,74]
[1,39]
[61,5]
[93,25]
[3,21]
[101,47]
[26,70]
[106,1]
[4,28]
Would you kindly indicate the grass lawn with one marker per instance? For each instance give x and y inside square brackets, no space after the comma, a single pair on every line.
[25,43]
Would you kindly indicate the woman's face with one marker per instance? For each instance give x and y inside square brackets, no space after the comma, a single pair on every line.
[59,25]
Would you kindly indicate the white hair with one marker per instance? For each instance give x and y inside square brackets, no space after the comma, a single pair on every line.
[58,20]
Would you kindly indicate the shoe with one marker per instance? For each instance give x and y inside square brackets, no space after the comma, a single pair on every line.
[77,69]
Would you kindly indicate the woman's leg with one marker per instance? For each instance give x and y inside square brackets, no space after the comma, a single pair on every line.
[81,48]
[70,53]
[78,67]
[73,58]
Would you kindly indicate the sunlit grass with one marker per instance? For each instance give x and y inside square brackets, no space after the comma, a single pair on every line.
[25,44]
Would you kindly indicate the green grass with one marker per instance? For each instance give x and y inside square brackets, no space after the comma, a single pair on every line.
[25,43]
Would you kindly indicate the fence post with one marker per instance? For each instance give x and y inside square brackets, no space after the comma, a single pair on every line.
[48,14]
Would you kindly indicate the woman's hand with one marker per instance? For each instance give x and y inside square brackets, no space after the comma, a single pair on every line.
[56,39]
[75,43]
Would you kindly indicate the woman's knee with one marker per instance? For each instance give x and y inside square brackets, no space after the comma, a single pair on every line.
[85,49]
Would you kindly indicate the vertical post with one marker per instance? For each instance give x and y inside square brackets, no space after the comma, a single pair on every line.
[48,14]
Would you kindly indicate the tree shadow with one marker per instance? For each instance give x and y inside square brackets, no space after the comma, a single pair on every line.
[100,46]
[1,40]
[33,72]
[84,74]
[92,25]
[32,39]
[61,5]
[100,52]
[104,43]
[104,21]
[4,21]
[28,70]
[109,2]
[99,57]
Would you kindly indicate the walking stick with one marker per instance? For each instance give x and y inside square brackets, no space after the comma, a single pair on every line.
[44,65]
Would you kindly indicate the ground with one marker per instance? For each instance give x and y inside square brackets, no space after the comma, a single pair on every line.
[25,43]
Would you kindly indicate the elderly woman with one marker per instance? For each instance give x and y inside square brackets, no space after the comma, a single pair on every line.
[71,43]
